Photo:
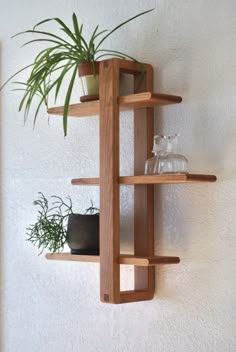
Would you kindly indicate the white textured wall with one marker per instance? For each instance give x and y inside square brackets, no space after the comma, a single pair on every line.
[54,306]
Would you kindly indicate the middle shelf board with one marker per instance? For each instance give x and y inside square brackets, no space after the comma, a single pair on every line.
[125,259]
[127,102]
[150,179]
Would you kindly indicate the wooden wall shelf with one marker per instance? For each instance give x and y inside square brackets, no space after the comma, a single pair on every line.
[149,179]
[128,102]
[123,259]
[108,108]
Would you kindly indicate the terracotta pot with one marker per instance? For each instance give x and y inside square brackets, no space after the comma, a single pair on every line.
[83,234]
[89,80]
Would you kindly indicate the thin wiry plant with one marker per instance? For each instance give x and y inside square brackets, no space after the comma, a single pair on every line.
[50,229]
[92,210]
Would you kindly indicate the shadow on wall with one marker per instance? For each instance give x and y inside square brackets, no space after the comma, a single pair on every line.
[1,226]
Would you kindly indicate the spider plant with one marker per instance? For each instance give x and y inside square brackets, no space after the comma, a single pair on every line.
[54,63]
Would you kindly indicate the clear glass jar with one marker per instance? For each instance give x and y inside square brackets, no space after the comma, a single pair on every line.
[151,165]
[169,162]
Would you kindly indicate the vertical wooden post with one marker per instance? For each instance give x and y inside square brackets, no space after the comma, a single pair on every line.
[144,195]
[109,186]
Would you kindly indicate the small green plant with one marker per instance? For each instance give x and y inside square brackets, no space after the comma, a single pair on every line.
[50,228]
[54,63]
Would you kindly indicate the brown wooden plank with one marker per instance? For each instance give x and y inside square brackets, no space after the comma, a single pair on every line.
[90,108]
[166,179]
[150,179]
[124,259]
[147,99]
[147,261]
[192,178]
[130,67]
[92,181]
[73,257]
[109,186]
[128,102]
[143,195]
[135,295]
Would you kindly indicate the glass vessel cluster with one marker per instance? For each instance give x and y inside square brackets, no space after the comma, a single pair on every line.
[165,159]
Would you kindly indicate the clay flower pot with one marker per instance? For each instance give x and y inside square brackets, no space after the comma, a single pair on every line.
[83,234]
[89,80]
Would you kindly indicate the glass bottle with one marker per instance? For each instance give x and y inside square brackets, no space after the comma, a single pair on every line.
[170,162]
[151,165]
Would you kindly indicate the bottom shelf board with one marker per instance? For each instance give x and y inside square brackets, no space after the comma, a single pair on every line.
[125,259]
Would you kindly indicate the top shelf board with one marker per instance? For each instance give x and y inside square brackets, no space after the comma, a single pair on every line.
[128,102]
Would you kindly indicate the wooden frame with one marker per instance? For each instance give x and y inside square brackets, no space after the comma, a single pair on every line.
[108,108]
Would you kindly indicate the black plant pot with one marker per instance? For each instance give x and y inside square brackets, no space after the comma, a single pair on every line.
[83,234]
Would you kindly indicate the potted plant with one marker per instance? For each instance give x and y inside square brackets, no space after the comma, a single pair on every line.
[83,232]
[65,55]
[57,225]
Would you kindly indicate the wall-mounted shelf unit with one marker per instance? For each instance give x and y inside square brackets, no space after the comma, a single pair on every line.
[108,107]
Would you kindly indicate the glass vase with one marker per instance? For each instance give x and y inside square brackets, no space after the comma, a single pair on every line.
[151,165]
[170,162]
